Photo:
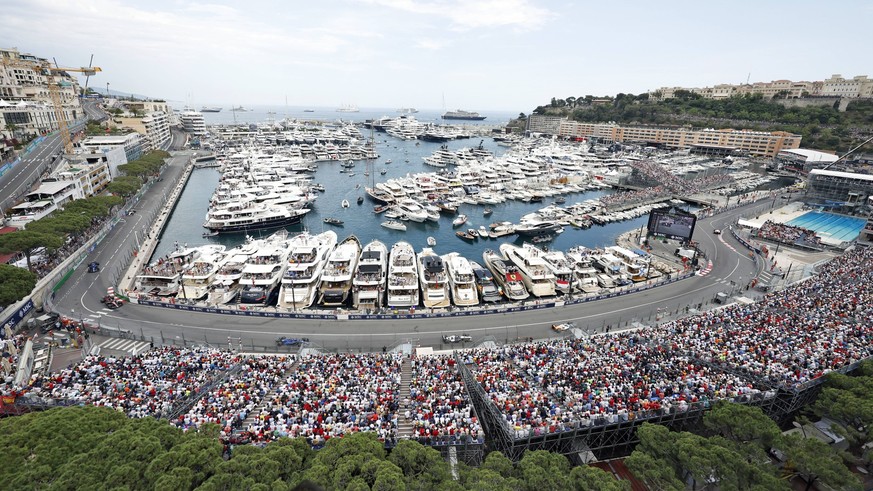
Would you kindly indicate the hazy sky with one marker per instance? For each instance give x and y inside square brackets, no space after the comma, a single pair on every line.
[479,54]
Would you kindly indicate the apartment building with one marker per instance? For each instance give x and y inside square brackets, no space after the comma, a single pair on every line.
[157,130]
[192,122]
[859,86]
[50,196]
[90,170]
[132,143]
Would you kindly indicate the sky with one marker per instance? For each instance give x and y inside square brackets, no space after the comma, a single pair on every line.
[507,55]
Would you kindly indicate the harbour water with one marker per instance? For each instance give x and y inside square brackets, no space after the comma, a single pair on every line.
[185,224]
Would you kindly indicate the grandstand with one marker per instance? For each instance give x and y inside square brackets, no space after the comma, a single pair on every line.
[583,398]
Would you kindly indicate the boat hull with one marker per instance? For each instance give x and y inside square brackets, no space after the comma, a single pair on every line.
[266,224]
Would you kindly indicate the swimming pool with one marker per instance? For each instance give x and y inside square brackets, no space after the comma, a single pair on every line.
[832,228]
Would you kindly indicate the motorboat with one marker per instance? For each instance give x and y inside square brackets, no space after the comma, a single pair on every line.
[434,280]
[431,241]
[487,212]
[345,203]
[411,209]
[506,275]
[309,254]
[402,277]
[466,235]
[485,284]
[483,232]
[462,282]
[336,279]
[368,284]
[538,277]
[532,229]
[225,284]
[395,225]
[459,220]
[264,269]
[332,221]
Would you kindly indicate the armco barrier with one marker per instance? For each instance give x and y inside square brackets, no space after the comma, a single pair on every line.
[417,314]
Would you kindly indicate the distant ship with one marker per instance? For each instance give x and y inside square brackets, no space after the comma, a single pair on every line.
[348,108]
[239,109]
[309,110]
[467,115]
[407,110]
[206,109]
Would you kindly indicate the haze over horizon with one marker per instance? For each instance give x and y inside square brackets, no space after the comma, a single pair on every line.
[507,55]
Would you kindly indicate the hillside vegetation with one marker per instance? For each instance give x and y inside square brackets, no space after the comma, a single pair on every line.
[822,128]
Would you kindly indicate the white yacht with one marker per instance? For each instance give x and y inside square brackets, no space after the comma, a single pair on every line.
[163,277]
[197,278]
[560,266]
[537,276]
[411,209]
[402,276]
[368,285]
[264,269]
[506,275]
[485,284]
[434,280]
[336,279]
[461,280]
[225,284]
[252,216]
[305,263]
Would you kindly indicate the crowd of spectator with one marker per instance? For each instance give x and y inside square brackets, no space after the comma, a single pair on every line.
[633,197]
[739,352]
[675,184]
[788,234]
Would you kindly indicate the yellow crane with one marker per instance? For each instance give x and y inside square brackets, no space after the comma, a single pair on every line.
[54,89]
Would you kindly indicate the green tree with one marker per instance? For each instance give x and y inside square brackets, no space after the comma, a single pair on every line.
[26,242]
[656,472]
[742,424]
[540,470]
[15,284]
[586,477]
[849,401]
[815,461]
[423,467]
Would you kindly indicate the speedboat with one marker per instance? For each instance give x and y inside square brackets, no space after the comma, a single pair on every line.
[333,221]
[336,279]
[431,241]
[506,275]
[368,285]
[462,282]
[308,256]
[459,220]
[395,225]
[434,280]
[402,276]
[345,203]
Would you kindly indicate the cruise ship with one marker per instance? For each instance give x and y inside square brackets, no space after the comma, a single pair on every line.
[402,276]
[197,278]
[537,276]
[368,285]
[264,269]
[305,263]
[463,115]
[434,280]
[506,275]
[225,284]
[485,284]
[336,279]
[207,109]
[461,280]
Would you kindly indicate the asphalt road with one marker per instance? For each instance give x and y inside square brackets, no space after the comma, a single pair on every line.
[79,298]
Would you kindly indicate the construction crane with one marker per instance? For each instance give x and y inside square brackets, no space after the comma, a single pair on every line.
[54,89]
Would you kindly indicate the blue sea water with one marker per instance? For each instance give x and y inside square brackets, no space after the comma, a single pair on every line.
[185,224]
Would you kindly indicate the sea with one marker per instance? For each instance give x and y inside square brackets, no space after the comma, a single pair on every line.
[185,224]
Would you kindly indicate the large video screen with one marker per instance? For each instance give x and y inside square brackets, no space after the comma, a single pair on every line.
[671,225]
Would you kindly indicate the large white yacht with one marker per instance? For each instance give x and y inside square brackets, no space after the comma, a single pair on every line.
[434,280]
[163,277]
[461,280]
[264,269]
[249,215]
[368,285]
[197,278]
[411,209]
[336,279]
[558,264]
[537,276]
[305,263]
[225,284]
[506,275]
[402,276]
[488,289]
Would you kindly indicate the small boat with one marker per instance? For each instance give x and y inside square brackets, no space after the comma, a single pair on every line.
[317,187]
[465,235]
[351,174]
[209,234]
[560,200]
[473,232]
[381,209]
[383,171]
[542,238]
[459,220]
[395,225]
[483,232]
[431,241]
[366,173]
[388,161]
[360,200]
[345,203]
[309,110]
[333,221]
[487,211]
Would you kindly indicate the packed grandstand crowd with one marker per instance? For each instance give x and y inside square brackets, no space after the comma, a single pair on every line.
[788,234]
[739,352]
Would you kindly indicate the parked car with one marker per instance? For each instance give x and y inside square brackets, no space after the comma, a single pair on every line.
[563,326]
[283,341]
[457,338]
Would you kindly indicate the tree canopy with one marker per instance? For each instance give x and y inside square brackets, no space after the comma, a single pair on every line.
[15,284]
